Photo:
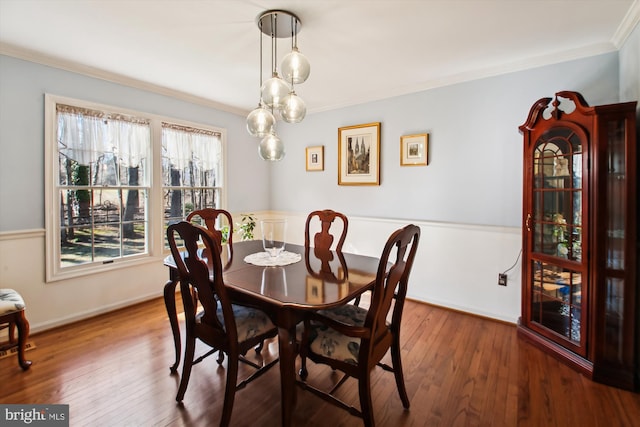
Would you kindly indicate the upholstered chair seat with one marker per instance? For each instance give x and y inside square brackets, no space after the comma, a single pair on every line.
[333,344]
[249,322]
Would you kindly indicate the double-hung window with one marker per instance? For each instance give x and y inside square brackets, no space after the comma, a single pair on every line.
[115,179]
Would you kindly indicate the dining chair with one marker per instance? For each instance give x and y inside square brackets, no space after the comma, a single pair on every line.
[354,340]
[12,317]
[214,220]
[230,328]
[324,239]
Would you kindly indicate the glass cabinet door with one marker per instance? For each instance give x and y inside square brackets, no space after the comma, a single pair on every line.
[556,238]
[614,243]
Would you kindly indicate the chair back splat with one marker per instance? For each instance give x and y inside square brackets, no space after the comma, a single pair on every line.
[214,220]
[324,239]
[227,327]
[353,339]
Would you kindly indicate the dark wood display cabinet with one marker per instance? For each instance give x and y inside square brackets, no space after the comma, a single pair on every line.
[580,237]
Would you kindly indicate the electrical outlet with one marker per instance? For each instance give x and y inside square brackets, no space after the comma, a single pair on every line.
[502,279]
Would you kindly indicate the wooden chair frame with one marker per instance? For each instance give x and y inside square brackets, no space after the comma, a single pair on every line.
[16,320]
[324,239]
[197,286]
[377,335]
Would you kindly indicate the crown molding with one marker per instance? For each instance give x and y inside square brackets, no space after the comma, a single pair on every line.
[76,67]
[628,24]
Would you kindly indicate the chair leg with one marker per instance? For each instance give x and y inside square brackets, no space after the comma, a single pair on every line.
[303,373]
[303,368]
[366,408]
[12,332]
[189,351]
[397,371]
[230,389]
[23,334]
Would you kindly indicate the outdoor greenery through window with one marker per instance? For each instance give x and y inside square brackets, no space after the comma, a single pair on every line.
[103,206]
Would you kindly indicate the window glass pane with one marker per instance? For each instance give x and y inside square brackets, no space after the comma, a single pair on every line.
[106,242]
[133,242]
[77,246]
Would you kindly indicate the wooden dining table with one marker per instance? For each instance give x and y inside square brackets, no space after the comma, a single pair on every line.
[320,280]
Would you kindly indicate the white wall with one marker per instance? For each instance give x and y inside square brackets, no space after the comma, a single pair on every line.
[456,266]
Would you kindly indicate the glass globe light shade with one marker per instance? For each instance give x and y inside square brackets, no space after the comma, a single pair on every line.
[271,148]
[274,90]
[295,67]
[294,108]
[260,121]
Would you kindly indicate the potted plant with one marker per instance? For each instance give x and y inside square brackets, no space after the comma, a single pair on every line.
[246,226]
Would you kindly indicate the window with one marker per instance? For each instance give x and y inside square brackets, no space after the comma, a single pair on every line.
[190,171]
[115,179]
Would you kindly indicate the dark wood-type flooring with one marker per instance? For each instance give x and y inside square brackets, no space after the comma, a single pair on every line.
[460,370]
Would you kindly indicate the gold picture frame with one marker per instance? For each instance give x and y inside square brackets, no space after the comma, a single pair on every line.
[414,149]
[315,158]
[359,154]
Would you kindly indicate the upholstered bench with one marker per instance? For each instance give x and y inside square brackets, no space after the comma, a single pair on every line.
[11,316]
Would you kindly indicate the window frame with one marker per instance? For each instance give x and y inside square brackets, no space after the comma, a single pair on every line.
[155,215]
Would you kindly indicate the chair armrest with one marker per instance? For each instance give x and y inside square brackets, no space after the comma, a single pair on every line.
[343,328]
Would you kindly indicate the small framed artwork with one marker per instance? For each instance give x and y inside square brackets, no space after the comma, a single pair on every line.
[414,149]
[359,154]
[315,158]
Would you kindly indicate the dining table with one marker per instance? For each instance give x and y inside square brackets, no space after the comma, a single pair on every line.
[318,280]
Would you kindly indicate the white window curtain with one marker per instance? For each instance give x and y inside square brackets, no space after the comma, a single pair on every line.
[196,153]
[103,142]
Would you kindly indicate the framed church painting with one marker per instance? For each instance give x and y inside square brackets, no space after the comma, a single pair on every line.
[359,154]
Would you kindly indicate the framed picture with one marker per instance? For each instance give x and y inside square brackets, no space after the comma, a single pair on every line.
[315,158]
[414,150]
[359,154]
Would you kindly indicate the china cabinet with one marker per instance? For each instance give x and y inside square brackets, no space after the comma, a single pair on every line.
[580,238]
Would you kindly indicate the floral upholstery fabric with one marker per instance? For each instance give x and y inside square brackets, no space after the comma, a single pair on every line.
[249,321]
[331,343]
[10,301]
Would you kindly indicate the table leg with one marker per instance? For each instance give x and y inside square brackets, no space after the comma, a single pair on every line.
[287,349]
[170,304]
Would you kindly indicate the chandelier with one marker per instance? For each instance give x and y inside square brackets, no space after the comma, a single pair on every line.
[278,97]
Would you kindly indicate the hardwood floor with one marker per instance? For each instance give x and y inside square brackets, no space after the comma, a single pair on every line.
[460,370]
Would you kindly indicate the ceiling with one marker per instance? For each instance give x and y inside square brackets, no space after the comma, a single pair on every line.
[359,50]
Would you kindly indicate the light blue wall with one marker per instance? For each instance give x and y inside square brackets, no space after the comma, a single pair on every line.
[630,69]
[474,174]
[22,88]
